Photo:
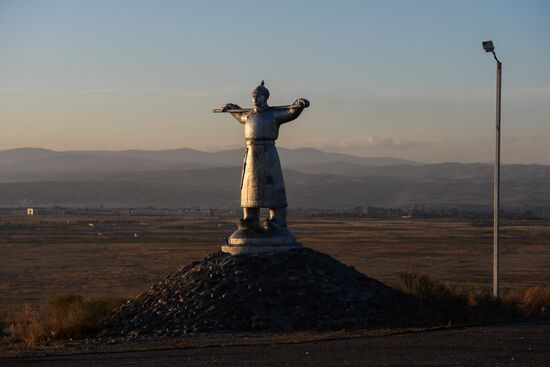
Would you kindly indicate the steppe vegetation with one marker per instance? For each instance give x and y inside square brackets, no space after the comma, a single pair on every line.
[71,316]
[49,262]
[65,316]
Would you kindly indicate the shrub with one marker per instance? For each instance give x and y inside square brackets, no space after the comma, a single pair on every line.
[3,325]
[441,303]
[437,302]
[72,316]
[27,326]
[65,316]
[486,308]
[536,301]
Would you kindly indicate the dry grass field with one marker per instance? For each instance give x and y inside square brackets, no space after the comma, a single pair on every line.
[45,256]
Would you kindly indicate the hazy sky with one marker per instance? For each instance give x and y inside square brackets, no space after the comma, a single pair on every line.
[385,78]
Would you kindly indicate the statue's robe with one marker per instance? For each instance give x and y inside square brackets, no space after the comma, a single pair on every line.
[262,183]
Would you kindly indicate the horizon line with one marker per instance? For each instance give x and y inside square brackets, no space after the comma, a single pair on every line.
[282,147]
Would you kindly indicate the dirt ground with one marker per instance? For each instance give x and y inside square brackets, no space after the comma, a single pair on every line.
[123,256]
[503,345]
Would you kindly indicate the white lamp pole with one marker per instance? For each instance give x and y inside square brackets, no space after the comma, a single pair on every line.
[488,47]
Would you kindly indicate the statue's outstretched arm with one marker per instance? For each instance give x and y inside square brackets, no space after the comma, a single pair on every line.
[239,116]
[293,112]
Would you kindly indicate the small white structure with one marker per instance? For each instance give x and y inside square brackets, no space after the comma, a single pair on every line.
[30,211]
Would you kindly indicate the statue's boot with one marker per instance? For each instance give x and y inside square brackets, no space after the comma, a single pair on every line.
[251,219]
[276,220]
[274,236]
[247,223]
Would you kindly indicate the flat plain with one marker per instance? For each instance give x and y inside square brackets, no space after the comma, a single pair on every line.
[123,256]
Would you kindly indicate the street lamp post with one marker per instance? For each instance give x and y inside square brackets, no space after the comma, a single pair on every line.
[488,47]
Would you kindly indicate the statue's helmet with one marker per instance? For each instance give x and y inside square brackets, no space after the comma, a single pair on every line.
[261,90]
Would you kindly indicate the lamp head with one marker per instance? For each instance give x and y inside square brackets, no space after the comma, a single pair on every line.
[488,46]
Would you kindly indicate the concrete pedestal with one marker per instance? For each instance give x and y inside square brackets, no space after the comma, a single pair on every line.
[257,240]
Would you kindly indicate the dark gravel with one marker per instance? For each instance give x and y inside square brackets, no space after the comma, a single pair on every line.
[293,290]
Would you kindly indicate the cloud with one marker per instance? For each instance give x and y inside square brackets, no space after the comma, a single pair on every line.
[375,143]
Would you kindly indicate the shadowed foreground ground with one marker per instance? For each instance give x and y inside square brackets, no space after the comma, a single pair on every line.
[524,344]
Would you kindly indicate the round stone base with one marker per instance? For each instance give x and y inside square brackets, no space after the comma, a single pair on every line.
[247,249]
[257,240]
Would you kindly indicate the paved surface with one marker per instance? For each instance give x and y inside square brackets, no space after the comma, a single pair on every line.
[517,345]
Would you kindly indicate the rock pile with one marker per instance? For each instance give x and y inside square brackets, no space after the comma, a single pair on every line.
[293,290]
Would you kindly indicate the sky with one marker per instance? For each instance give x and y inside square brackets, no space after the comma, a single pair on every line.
[406,79]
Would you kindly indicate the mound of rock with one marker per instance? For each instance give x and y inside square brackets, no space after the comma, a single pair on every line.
[293,290]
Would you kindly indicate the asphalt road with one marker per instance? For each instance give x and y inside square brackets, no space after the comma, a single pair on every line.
[516,345]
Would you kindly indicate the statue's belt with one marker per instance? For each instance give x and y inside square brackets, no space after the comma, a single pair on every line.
[260,142]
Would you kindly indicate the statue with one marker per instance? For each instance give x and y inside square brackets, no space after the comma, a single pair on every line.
[262,184]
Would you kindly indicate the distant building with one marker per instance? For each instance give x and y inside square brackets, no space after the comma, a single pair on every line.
[30,211]
[357,211]
[541,212]
[149,212]
[383,212]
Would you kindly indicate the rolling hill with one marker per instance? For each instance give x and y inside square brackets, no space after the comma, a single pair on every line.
[314,179]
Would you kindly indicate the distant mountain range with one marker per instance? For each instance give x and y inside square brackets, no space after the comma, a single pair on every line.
[37,161]
[314,179]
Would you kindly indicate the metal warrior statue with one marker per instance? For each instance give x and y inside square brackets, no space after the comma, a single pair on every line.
[262,184]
